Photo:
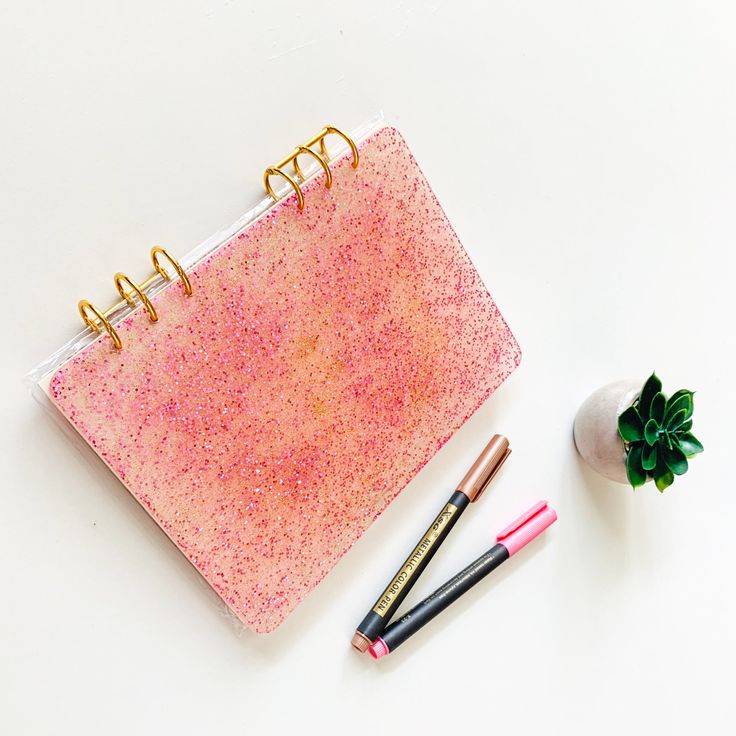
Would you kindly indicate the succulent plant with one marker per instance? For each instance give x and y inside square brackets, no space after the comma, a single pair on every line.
[657,437]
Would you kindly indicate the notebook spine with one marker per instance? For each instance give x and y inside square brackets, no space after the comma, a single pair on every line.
[322,156]
[98,320]
[132,292]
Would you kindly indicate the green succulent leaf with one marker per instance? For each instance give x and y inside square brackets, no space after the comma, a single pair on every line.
[649,457]
[656,411]
[651,431]
[630,426]
[675,459]
[685,392]
[634,470]
[651,388]
[685,427]
[663,476]
[690,444]
[682,401]
[664,481]
[675,420]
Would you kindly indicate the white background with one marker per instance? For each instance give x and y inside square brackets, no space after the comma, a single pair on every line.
[585,152]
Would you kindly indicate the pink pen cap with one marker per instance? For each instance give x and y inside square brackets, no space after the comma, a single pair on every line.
[529,525]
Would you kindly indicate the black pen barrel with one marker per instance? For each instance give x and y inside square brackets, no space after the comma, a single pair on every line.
[399,631]
[375,621]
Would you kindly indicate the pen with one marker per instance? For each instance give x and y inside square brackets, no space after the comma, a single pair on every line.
[471,487]
[509,541]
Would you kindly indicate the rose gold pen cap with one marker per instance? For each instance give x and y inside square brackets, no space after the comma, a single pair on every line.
[360,642]
[489,462]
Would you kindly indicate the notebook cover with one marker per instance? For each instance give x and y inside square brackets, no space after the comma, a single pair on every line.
[323,358]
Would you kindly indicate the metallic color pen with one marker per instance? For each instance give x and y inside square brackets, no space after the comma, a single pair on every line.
[471,487]
[510,540]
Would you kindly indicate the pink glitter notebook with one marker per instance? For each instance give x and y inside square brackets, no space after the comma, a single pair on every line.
[323,357]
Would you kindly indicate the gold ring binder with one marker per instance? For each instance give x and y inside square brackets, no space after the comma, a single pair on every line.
[275,171]
[322,157]
[89,312]
[155,251]
[329,129]
[320,160]
[120,280]
[85,307]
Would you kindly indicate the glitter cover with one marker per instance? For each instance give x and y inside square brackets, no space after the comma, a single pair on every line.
[323,358]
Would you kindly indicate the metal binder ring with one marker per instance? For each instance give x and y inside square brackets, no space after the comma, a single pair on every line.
[320,160]
[84,308]
[323,148]
[158,250]
[279,172]
[120,279]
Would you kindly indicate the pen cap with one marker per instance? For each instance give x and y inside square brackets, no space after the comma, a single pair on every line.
[485,467]
[528,526]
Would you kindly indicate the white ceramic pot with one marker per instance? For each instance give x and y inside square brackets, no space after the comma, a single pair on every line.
[596,428]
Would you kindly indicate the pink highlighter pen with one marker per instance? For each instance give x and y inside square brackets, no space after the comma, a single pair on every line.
[515,536]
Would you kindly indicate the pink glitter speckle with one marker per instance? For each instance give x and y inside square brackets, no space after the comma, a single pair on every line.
[323,358]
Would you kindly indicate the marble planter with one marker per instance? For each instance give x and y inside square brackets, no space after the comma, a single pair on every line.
[596,428]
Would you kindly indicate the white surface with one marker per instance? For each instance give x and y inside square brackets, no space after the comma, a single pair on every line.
[585,152]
